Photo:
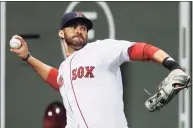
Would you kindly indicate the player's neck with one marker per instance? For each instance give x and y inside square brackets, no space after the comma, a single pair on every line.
[70,50]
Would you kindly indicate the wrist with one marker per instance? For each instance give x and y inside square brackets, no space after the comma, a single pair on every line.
[27,57]
[171,64]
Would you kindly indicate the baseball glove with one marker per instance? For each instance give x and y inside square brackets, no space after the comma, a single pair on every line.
[176,81]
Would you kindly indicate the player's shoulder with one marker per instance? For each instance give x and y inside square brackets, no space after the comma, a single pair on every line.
[106,44]
[110,42]
[64,63]
[101,42]
[61,65]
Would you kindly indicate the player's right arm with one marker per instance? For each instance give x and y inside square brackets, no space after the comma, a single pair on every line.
[46,72]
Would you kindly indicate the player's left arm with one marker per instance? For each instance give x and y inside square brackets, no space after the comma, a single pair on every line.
[176,81]
[141,51]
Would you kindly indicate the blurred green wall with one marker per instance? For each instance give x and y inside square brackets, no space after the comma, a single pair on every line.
[153,22]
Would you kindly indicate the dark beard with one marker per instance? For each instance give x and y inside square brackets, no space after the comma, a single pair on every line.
[74,44]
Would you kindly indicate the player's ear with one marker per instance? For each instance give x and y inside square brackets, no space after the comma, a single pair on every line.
[61,33]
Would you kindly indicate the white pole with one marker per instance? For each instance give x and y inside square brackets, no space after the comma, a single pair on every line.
[192,66]
[3,36]
[184,59]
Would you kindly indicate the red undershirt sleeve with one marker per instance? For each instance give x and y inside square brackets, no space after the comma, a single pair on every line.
[142,51]
[52,79]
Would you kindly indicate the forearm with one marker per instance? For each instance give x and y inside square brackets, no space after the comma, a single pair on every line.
[147,52]
[46,72]
[159,56]
[39,67]
[163,58]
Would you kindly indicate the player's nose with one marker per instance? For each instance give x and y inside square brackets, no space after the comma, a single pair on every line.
[78,30]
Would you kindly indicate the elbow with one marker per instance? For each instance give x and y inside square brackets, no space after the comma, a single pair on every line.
[142,51]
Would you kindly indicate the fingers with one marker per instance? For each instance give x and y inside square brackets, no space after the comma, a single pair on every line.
[23,50]
[19,38]
[15,50]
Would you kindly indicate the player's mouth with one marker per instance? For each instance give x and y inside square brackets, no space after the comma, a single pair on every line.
[80,38]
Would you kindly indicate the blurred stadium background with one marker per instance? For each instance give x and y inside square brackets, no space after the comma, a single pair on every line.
[158,23]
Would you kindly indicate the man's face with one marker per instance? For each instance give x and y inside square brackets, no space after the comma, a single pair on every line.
[76,35]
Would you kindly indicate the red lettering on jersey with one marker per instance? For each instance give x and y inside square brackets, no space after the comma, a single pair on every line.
[74,74]
[80,72]
[87,72]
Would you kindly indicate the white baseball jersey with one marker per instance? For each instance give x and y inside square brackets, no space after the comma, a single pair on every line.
[91,87]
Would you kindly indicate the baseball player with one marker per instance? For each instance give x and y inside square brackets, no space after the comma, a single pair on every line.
[89,79]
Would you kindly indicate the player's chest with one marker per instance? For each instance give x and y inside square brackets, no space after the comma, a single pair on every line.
[85,63]
[80,67]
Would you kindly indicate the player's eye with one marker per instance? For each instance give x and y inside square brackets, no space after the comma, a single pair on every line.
[84,28]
